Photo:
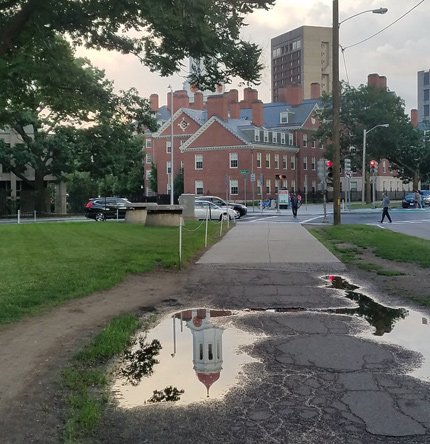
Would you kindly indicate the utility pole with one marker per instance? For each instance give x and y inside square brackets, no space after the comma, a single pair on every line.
[336,116]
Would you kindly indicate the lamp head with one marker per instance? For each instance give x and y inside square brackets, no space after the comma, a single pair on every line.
[385,125]
[380,11]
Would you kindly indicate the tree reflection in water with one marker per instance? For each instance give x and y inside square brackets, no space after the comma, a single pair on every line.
[381,317]
[140,361]
[168,394]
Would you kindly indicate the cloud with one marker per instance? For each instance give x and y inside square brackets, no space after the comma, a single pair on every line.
[398,53]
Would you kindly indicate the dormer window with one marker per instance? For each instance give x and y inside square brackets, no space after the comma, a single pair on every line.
[266,136]
[283,117]
[274,137]
[257,135]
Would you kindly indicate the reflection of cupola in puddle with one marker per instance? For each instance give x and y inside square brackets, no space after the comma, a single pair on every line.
[207,347]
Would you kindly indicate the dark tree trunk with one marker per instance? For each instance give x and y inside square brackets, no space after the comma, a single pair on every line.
[40,193]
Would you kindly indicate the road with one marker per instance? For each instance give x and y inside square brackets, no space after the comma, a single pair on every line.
[413,222]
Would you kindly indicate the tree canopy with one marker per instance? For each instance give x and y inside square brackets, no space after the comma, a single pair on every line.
[161,33]
[67,115]
[362,109]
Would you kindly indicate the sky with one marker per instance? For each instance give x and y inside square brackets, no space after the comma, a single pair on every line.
[398,52]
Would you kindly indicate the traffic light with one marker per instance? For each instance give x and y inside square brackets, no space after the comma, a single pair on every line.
[373,165]
[329,170]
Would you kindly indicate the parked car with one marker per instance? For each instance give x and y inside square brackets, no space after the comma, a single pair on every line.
[408,200]
[204,208]
[240,208]
[425,196]
[102,208]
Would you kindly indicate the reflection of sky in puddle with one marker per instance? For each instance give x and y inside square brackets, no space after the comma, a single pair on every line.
[406,328]
[210,344]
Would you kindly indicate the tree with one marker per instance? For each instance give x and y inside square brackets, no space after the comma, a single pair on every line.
[47,108]
[161,33]
[363,108]
[153,181]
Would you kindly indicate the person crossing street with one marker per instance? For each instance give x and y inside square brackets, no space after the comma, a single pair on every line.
[385,207]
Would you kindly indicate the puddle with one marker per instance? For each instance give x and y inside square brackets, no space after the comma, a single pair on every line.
[191,356]
[397,326]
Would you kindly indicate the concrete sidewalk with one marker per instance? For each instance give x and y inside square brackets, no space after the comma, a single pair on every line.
[275,244]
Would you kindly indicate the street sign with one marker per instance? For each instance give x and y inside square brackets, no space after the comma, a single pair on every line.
[252,177]
[244,172]
[348,173]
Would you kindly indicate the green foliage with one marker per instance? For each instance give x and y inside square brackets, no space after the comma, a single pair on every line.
[153,180]
[384,243]
[87,373]
[363,108]
[42,272]
[161,33]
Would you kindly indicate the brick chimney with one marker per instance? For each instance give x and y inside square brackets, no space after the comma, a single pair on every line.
[217,106]
[234,110]
[376,81]
[232,96]
[250,95]
[315,90]
[180,100]
[291,94]
[198,101]
[153,102]
[257,113]
[414,117]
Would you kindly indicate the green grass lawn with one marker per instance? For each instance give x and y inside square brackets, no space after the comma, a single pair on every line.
[43,265]
[384,243]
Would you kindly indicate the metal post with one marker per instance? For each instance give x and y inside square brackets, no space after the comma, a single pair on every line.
[19,216]
[363,168]
[336,116]
[171,145]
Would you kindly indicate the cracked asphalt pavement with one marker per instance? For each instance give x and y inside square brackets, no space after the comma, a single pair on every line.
[318,379]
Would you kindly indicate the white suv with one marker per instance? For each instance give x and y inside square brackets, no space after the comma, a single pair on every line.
[241,209]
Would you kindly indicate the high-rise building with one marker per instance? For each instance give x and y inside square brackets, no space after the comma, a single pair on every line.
[424,96]
[301,57]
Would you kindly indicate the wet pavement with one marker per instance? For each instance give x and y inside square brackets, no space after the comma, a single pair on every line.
[328,363]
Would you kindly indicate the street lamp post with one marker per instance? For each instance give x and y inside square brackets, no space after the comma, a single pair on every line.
[336,105]
[171,145]
[363,165]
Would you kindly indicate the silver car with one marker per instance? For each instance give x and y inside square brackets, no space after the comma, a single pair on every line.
[204,209]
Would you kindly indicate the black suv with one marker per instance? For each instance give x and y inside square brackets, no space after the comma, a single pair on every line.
[102,208]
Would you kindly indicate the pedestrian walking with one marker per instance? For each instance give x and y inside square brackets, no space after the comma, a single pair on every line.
[418,199]
[385,207]
[294,203]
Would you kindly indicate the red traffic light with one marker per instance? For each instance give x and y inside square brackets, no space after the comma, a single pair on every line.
[329,163]
[372,163]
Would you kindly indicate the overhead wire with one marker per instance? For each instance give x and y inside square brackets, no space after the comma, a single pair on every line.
[383,29]
[343,48]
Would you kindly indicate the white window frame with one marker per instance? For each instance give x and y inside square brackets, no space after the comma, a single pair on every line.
[274,137]
[267,163]
[233,160]
[283,117]
[305,163]
[168,146]
[234,187]
[276,161]
[290,139]
[198,185]
[293,162]
[258,160]
[285,162]
[266,136]
[168,167]
[148,159]
[314,162]
[198,162]
[283,139]
[257,135]
[305,140]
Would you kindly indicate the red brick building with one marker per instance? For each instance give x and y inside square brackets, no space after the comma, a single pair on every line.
[236,149]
